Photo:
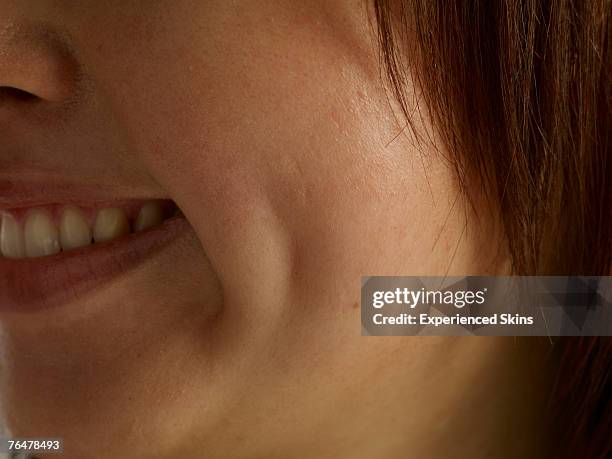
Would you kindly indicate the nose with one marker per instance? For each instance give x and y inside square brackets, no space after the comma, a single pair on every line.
[34,63]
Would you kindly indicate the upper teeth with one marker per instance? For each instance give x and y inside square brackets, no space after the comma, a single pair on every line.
[74,230]
[38,234]
[109,224]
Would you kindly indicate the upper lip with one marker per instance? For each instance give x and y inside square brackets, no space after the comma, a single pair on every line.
[16,193]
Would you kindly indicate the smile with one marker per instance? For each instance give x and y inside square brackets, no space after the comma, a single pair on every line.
[43,231]
[52,254]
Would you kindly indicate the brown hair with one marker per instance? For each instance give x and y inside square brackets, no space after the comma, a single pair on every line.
[520,93]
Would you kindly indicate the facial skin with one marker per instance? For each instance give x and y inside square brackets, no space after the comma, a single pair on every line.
[268,125]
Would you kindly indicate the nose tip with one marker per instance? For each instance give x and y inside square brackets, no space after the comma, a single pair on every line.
[35,64]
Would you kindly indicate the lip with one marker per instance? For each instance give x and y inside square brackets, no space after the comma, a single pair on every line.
[34,191]
[34,284]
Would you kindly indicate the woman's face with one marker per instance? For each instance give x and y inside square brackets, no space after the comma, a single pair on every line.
[267,124]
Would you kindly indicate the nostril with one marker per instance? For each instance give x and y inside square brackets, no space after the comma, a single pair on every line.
[36,64]
[8,92]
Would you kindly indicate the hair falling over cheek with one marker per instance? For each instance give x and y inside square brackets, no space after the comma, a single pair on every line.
[520,92]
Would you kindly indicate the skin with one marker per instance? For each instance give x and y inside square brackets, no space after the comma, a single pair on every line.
[268,124]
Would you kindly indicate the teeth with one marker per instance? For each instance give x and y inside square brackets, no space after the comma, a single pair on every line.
[151,214]
[74,230]
[11,237]
[110,224]
[41,235]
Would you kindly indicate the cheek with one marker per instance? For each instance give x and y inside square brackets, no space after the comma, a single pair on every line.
[273,142]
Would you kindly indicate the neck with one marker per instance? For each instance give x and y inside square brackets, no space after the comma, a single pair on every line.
[483,397]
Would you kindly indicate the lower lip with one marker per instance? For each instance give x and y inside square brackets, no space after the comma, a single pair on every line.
[30,285]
